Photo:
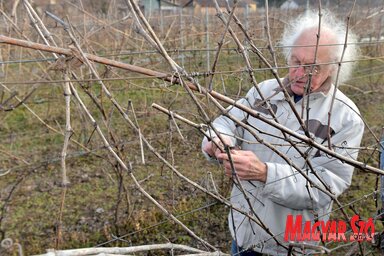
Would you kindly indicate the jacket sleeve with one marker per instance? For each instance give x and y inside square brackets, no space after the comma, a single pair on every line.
[287,187]
[226,126]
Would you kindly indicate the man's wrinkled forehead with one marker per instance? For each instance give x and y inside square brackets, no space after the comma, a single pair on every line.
[307,46]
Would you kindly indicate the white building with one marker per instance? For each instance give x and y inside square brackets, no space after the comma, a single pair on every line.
[289,5]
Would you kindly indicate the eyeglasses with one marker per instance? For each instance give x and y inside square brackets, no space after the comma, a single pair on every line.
[313,69]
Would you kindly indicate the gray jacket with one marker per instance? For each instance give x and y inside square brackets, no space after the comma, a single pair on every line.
[286,191]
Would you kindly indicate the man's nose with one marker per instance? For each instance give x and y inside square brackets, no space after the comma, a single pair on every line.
[300,71]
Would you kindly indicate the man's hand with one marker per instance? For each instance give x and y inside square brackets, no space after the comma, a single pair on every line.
[247,165]
[215,146]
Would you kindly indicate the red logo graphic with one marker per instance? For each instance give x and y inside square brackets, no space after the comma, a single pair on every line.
[332,230]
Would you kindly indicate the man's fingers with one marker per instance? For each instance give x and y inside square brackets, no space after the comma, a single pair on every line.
[239,167]
[230,173]
[235,154]
[228,169]
[227,164]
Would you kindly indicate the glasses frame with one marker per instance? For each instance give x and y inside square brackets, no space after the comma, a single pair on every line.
[309,68]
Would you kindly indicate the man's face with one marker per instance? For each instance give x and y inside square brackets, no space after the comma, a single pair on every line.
[301,65]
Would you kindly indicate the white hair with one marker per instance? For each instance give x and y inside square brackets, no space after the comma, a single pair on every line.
[333,27]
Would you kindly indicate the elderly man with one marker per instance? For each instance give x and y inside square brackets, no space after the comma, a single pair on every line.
[267,185]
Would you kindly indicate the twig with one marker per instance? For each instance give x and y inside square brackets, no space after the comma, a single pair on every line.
[68,134]
[120,250]
[220,45]
[274,73]
[8,244]
[130,105]
[337,76]
[81,54]
[303,246]
[168,214]
[303,154]
[267,28]
[68,129]
[214,94]
[41,120]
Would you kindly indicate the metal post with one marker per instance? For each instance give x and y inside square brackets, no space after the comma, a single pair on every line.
[2,70]
[207,36]
[181,37]
[161,21]
[246,16]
